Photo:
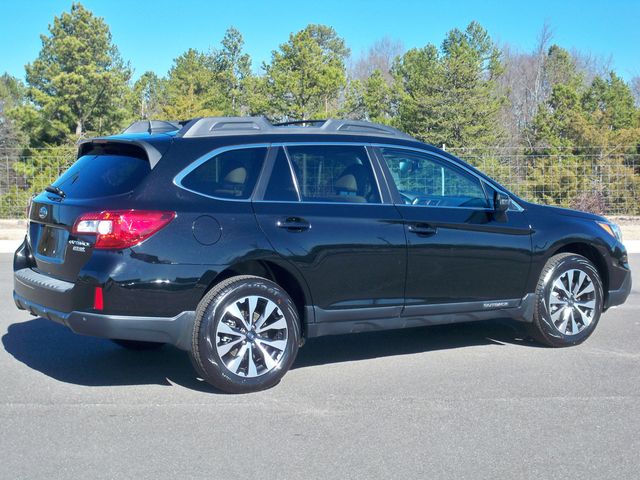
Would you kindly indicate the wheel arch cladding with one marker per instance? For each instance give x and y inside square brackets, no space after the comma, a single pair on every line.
[278,274]
[592,254]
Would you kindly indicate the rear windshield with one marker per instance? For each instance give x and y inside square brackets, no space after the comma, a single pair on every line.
[93,176]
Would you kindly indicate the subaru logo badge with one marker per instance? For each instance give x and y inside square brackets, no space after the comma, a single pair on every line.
[42,213]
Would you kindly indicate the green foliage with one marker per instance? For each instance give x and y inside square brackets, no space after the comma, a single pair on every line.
[586,135]
[191,89]
[370,99]
[449,96]
[78,83]
[12,95]
[215,83]
[233,68]
[147,96]
[306,74]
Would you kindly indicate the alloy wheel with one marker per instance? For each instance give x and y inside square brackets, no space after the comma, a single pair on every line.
[251,337]
[572,302]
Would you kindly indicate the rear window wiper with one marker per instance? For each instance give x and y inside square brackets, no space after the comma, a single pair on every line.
[57,190]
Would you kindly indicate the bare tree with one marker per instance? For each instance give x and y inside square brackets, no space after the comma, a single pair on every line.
[591,66]
[523,81]
[635,88]
[379,56]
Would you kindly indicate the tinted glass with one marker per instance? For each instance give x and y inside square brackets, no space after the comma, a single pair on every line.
[93,176]
[280,187]
[232,174]
[334,173]
[424,180]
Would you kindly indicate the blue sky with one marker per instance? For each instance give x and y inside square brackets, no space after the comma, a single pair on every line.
[150,34]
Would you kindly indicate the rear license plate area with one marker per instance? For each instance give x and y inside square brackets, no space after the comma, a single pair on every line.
[52,242]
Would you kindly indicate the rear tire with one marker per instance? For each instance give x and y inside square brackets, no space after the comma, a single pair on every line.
[245,335]
[137,345]
[569,301]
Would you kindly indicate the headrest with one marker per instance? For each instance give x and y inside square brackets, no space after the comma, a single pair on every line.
[347,183]
[237,175]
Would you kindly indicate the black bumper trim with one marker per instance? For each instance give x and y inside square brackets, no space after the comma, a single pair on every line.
[173,330]
[33,279]
[619,296]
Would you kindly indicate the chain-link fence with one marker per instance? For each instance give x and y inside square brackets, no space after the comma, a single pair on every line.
[601,183]
[595,182]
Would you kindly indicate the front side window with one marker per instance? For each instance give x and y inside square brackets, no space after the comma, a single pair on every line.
[232,174]
[334,173]
[424,180]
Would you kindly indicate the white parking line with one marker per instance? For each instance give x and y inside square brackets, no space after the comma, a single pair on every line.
[9,246]
[633,246]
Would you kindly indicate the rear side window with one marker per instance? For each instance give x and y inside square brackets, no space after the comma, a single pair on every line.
[334,173]
[232,174]
[93,176]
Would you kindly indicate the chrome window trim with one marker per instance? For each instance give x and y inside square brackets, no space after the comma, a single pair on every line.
[203,158]
[292,172]
[177,180]
[448,160]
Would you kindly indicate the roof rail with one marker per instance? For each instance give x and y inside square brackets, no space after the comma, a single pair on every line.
[214,126]
[152,126]
[299,122]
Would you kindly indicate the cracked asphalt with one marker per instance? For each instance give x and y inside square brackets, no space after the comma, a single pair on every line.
[470,401]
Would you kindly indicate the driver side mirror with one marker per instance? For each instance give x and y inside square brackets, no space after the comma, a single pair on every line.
[501,202]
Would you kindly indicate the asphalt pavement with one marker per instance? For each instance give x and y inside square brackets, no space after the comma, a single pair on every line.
[473,401]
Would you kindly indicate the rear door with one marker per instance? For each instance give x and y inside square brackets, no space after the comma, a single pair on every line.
[459,249]
[323,210]
[103,173]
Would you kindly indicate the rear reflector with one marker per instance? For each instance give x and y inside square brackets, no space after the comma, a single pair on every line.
[98,299]
[118,229]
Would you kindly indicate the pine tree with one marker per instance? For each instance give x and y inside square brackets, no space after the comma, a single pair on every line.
[78,83]
[306,74]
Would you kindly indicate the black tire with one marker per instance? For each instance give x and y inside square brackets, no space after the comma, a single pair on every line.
[211,311]
[137,345]
[543,329]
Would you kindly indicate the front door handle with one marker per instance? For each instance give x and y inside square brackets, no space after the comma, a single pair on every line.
[293,224]
[422,229]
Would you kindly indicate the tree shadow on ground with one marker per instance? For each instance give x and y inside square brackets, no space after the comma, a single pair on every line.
[60,354]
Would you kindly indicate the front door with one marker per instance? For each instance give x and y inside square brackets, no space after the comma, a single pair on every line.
[460,251]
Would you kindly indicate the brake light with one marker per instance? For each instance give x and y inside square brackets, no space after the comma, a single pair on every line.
[118,229]
[98,299]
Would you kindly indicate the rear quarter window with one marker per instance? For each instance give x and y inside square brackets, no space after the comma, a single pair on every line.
[232,174]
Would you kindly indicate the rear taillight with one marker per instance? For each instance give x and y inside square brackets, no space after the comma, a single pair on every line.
[118,229]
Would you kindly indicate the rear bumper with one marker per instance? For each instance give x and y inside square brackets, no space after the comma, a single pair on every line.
[173,330]
[619,296]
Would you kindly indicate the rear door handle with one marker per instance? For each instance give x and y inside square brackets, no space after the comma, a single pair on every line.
[422,229]
[293,224]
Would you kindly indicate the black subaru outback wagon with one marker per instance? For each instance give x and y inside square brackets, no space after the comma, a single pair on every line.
[236,239]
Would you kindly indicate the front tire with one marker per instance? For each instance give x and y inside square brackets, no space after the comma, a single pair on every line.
[569,301]
[245,335]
